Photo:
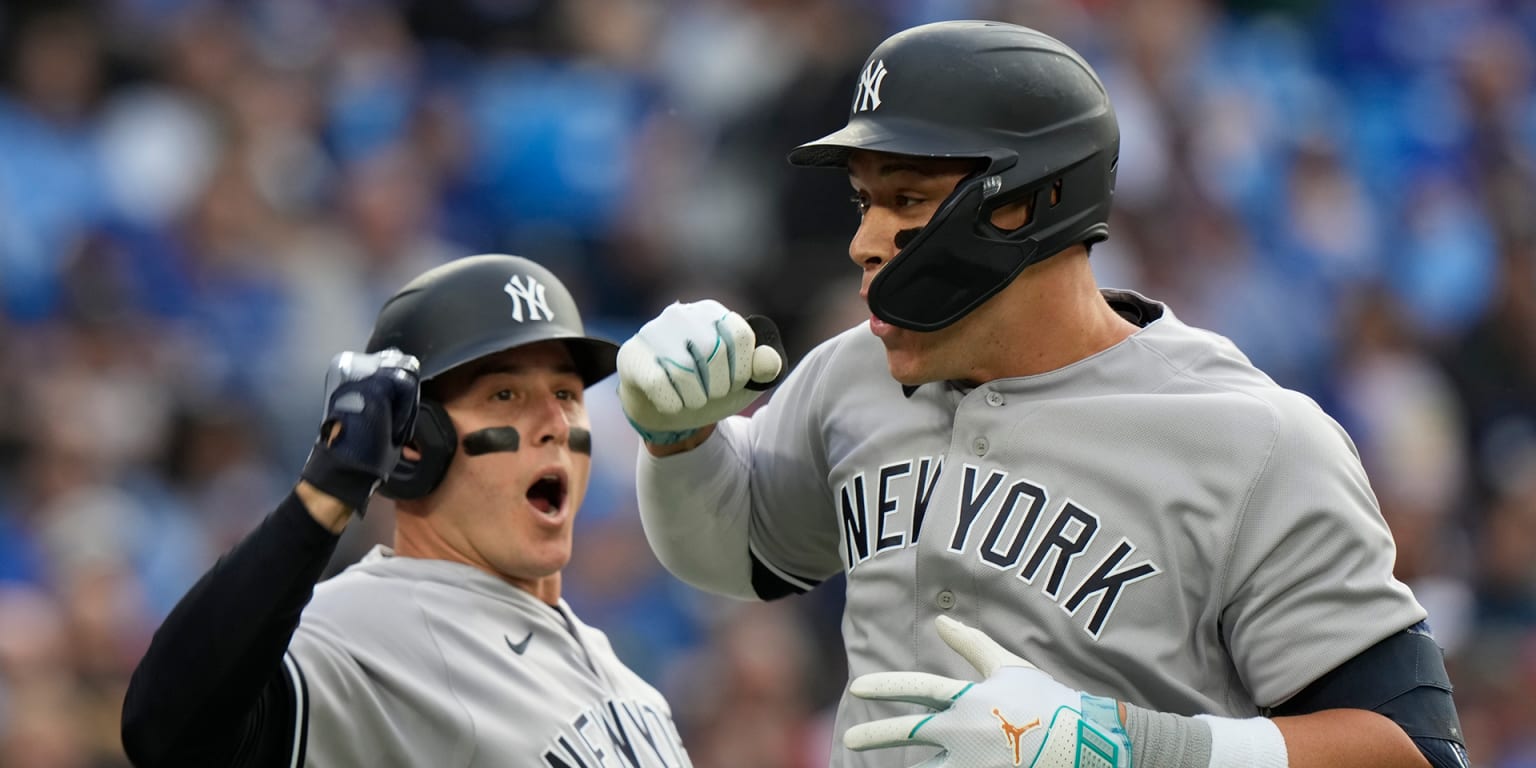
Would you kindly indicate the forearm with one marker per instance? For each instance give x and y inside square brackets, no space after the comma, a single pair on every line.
[1353,737]
[696,508]
[222,645]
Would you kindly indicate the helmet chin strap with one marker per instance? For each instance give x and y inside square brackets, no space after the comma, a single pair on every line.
[498,439]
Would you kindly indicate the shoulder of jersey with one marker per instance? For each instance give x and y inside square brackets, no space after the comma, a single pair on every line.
[1240,395]
[357,597]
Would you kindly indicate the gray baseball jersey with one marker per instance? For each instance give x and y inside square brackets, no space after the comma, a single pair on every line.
[1159,522]
[410,662]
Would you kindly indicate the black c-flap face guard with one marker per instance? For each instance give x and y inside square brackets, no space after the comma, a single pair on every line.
[955,263]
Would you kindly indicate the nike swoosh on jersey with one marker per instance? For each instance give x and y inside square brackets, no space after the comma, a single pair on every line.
[518,648]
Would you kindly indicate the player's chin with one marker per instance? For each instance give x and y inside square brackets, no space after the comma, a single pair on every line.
[557,563]
[549,559]
[907,367]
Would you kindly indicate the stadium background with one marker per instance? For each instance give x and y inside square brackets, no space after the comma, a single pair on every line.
[201,201]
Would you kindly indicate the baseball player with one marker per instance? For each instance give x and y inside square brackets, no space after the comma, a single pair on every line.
[453,647]
[1096,535]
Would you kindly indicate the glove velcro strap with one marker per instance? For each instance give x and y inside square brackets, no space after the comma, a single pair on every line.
[662,437]
[1107,736]
[1099,731]
[335,477]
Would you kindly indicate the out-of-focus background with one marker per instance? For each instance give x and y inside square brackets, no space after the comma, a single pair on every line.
[202,201]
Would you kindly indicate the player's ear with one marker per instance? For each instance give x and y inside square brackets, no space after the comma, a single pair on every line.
[410,453]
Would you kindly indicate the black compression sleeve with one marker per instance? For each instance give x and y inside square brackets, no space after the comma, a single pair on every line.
[1404,679]
[206,690]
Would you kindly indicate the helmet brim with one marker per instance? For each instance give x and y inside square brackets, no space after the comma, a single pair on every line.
[595,358]
[896,136]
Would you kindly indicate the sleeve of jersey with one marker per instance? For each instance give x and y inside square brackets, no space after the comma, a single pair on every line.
[212,688]
[746,514]
[1309,581]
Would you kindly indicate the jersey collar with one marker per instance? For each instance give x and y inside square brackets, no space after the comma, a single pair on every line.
[1130,305]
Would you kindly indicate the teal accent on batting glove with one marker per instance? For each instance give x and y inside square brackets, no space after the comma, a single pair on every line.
[1103,713]
[661,437]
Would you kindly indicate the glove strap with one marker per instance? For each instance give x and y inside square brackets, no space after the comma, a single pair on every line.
[1107,736]
[337,478]
[660,437]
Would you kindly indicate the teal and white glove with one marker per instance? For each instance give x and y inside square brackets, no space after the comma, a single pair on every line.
[1017,715]
[694,365]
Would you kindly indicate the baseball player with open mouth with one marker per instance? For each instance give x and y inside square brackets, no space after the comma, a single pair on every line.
[453,647]
[1075,530]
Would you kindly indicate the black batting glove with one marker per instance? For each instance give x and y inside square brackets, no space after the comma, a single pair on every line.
[370,411]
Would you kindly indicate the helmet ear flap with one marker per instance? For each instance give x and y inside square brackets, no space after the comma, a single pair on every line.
[437,442]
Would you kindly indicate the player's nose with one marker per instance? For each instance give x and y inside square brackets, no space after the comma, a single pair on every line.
[872,246]
[551,423]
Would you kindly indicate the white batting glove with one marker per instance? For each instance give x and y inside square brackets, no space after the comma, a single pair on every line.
[691,367]
[1018,715]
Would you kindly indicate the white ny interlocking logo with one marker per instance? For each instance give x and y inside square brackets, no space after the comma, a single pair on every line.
[530,295]
[867,98]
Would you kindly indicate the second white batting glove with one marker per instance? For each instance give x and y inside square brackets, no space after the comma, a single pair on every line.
[1017,715]
[693,365]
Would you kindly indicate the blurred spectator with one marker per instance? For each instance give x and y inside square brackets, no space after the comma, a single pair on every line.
[50,175]
[747,704]
[1402,411]
[1494,365]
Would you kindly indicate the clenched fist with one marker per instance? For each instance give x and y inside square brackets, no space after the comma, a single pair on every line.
[694,365]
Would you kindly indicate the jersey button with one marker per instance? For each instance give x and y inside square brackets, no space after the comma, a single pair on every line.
[994,399]
[946,600]
[980,446]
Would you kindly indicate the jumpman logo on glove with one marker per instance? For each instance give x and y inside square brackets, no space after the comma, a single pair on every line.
[1014,732]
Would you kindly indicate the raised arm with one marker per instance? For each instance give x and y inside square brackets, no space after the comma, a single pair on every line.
[719,492]
[212,688]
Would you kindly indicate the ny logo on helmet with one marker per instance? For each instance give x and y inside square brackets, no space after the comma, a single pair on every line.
[530,295]
[867,98]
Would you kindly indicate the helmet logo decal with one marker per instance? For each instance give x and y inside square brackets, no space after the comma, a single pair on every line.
[529,295]
[867,97]
[991,185]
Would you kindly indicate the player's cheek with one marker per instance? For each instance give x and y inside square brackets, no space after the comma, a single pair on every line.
[581,473]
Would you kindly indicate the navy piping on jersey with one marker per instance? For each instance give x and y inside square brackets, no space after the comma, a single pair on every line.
[770,583]
[300,707]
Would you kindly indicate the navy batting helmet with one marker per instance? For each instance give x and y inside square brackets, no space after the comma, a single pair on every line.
[462,311]
[1033,114]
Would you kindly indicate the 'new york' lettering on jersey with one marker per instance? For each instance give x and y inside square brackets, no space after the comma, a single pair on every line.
[1130,523]
[892,518]
[623,734]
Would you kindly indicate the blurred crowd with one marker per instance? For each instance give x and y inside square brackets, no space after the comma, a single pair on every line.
[202,201]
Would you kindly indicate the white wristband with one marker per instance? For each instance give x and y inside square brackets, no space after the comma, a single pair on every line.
[1252,743]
